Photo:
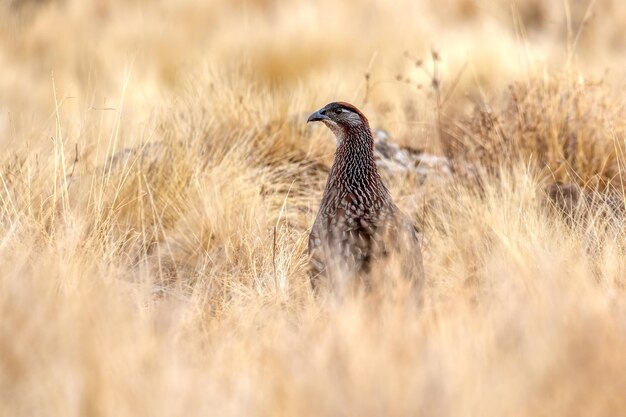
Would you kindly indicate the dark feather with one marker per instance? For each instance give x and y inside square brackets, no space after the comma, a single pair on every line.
[357,218]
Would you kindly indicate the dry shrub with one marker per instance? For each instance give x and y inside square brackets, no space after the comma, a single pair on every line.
[570,129]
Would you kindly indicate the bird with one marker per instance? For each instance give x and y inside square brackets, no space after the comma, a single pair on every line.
[357,223]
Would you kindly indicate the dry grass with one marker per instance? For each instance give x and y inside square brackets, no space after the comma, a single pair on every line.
[571,129]
[158,181]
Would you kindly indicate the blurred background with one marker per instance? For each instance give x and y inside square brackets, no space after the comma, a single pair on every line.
[94,49]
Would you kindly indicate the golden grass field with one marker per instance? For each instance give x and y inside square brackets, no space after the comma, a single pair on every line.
[172,280]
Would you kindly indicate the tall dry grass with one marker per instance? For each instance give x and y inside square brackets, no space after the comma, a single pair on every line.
[158,182]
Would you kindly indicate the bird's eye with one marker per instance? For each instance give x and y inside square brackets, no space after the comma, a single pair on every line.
[338,110]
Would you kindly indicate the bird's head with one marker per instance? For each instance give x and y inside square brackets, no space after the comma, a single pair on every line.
[341,118]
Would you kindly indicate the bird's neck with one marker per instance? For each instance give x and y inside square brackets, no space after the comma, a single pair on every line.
[354,166]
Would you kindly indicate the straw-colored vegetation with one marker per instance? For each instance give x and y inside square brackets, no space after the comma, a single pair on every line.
[158,180]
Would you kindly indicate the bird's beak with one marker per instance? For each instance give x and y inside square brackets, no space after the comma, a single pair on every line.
[317,116]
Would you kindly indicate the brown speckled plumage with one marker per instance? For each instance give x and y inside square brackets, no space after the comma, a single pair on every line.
[357,216]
